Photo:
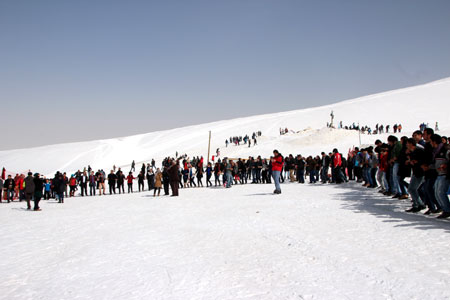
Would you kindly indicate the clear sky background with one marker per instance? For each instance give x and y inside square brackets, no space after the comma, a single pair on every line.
[85,69]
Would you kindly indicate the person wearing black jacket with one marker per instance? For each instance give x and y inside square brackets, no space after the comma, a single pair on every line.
[325,166]
[59,183]
[166,180]
[415,159]
[300,166]
[92,183]
[430,175]
[150,179]
[83,181]
[9,186]
[120,181]
[258,169]
[29,189]
[112,179]
[38,187]
[404,170]
[173,177]
[141,178]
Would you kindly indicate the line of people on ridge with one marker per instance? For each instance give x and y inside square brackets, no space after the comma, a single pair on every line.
[379,128]
[237,140]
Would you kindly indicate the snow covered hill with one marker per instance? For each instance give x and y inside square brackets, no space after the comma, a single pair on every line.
[409,106]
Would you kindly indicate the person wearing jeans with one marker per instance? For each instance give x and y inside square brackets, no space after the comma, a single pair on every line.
[416,157]
[228,173]
[395,189]
[277,166]
[276,180]
[442,182]
[413,188]
[441,187]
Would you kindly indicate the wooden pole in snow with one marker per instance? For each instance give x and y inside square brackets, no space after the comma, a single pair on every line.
[209,144]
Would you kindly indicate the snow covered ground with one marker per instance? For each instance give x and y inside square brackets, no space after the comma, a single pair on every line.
[310,242]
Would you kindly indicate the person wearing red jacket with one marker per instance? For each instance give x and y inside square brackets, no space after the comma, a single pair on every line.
[72,185]
[337,167]
[130,179]
[337,158]
[277,166]
[21,188]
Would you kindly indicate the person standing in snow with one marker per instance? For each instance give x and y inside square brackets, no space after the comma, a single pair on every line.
[228,172]
[166,180]
[83,181]
[38,187]
[120,181]
[150,178]
[173,177]
[141,178]
[60,185]
[130,179]
[277,165]
[337,167]
[112,179]
[208,174]
[29,189]
[158,182]
[92,183]
[9,187]
[101,183]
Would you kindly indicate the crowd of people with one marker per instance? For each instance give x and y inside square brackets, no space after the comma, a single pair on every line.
[238,140]
[423,158]
[379,128]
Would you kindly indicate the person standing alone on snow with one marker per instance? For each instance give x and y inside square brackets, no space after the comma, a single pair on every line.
[277,165]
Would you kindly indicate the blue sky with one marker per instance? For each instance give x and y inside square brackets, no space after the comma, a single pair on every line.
[83,70]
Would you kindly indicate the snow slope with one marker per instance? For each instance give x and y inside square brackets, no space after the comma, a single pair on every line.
[311,242]
[409,106]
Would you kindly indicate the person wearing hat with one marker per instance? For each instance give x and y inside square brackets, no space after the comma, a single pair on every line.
[29,188]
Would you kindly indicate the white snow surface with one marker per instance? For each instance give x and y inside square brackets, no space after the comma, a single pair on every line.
[427,103]
[310,242]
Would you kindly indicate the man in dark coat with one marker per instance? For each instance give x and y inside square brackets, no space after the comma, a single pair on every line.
[83,181]
[29,189]
[166,180]
[112,178]
[120,181]
[173,177]
[9,186]
[59,183]
[38,187]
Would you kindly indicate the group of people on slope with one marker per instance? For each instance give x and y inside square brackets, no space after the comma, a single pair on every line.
[237,140]
[423,158]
